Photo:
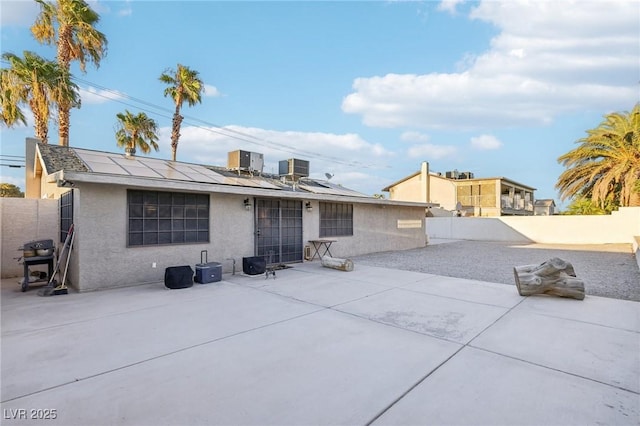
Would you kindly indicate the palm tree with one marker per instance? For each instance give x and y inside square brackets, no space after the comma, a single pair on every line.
[136,131]
[11,93]
[607,162]
[184,85]
[38,82]
[70,25]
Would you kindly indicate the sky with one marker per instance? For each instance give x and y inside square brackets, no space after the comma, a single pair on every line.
[364,90]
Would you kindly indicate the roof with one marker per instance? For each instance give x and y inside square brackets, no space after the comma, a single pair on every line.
[55,158]
[544,202]
[388,187]
[501,178]
[433,174]
[84,165]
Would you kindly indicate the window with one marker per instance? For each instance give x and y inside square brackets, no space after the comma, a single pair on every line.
[336,219]
[157,218]
[66,214]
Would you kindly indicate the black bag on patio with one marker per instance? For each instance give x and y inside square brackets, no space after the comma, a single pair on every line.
[178,277]
[254,265]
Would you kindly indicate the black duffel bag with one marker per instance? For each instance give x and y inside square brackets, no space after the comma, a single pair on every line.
[178,277]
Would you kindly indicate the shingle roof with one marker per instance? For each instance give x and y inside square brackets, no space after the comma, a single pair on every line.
[56,158]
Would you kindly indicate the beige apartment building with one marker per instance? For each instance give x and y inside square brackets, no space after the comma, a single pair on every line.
[461,193]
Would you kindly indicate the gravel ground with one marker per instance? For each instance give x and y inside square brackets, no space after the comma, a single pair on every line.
[607,270]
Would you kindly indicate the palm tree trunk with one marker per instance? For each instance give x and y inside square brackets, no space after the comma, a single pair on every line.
[64,59]
[41,125]
[175,133]
[63,123]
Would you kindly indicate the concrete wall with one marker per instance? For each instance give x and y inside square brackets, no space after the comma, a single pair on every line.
[25,220]
[620,227]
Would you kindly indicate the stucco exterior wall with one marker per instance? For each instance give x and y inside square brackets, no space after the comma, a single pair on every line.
[375,229]
[619,227]
[408,190]
[106,261]
[24,220]
[101,259]
[443,192]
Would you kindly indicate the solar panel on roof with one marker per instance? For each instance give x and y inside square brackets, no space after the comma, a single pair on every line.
[102,162]
[106,168]
[263,183]
[331,191]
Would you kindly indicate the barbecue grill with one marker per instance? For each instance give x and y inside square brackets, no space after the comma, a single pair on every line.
[37,252]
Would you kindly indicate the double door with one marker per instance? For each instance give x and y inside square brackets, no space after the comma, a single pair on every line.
[278,230]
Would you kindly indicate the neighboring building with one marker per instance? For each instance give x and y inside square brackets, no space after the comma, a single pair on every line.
[136,216]
[545,207]
[462,193]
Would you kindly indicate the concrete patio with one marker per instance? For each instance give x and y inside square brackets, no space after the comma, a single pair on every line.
[316,346]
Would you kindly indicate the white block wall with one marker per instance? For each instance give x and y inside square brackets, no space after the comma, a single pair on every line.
[24,220]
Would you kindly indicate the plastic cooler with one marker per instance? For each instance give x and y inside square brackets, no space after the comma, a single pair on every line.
[207,272]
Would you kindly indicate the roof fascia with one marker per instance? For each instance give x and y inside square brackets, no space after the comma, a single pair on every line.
[169,185]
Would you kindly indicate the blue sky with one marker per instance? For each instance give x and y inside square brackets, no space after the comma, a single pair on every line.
[363,90]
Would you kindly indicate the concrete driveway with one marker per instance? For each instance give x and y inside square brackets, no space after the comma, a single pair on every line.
[316,346]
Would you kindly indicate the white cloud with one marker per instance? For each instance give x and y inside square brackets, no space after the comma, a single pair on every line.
[485,142]
[432,152]
[91,95]
[549,58]
[449,6]
[126,11]
[414,137]
[211,91]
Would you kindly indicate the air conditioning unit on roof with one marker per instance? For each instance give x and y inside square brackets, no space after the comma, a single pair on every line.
[294,167]
[245,161]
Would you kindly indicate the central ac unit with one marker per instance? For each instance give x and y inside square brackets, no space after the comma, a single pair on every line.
[294,167]
[245,160]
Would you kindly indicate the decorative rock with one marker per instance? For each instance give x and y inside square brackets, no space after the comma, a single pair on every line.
[555,277]
[336,263]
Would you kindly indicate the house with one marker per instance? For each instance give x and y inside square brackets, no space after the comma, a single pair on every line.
[135,216]
[544,207]
[461,193]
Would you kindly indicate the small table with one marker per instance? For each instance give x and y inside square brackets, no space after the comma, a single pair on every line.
[319,245]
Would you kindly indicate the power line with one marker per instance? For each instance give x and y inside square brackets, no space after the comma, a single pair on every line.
[211,127]
[223,131]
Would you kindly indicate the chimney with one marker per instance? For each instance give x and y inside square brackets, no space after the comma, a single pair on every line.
[424,182]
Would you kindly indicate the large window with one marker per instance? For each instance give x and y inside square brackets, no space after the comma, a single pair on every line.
[336,219]
[157,218]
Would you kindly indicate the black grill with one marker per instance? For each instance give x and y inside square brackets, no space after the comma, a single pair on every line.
[38,245]
[31,257]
